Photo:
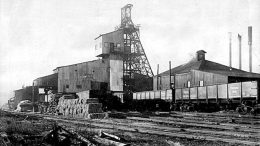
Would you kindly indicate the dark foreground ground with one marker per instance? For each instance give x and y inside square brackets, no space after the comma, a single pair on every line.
[29,129]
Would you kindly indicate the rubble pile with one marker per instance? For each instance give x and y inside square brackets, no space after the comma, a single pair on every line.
[81,107]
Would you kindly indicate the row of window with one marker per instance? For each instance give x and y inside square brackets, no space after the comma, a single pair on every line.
[109,45]
[77,86]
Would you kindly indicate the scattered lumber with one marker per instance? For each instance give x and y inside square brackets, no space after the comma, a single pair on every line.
[107,142]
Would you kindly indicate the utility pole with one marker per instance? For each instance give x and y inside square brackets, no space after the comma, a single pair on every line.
[230,49]
[170,74]
[239,45]
[250,47]
[157,76]
[33,96]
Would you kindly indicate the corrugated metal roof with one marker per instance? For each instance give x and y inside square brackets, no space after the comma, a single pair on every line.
[209,66]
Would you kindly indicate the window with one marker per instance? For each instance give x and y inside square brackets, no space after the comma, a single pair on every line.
[111,47]
[67,86]
[79,86]
[201,83]
[106,45]
[188,84]
[118,45]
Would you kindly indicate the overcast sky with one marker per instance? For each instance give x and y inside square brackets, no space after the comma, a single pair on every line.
[36,36]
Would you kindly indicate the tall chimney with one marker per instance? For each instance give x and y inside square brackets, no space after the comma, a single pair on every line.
[157,77]
[250,47]
[230,49]
[239,45]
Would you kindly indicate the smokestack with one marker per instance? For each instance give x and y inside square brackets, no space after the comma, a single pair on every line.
[239,45]
[230,49]
[170,67]
[250,47]
[157,76]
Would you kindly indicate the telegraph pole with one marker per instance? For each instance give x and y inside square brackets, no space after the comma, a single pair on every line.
[230,49]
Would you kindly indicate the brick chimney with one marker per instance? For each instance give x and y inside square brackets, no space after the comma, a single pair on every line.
[200,55]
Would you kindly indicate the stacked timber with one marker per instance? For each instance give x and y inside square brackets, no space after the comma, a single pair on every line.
[52,104]
[82,107]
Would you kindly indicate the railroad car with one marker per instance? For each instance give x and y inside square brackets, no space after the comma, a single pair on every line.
[152,100]
[241,96]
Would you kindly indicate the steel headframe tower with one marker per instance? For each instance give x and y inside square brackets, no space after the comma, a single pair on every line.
[135,59]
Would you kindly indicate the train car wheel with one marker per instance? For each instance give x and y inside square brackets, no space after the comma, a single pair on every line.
[242,110]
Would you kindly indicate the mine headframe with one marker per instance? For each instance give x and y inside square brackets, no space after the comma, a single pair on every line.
[135,59]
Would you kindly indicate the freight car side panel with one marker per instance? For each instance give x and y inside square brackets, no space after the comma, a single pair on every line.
[249,89]
[138,96]
[163,94]
[212,92]
[169,95]
[234,90]
[193,93]
[157,95]
[134,96]
[222,91]
[152,94]
[147,95]
[143,95]
[202,93]
[185,93]
[178,94]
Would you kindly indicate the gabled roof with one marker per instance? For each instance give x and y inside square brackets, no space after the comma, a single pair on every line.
[212,67]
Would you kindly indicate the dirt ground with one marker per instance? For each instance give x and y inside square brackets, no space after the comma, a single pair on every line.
[30,130]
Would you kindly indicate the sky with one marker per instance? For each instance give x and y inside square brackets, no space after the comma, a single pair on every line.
[36,36]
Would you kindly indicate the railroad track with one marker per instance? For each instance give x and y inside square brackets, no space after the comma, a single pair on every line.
[163,131]
[169,128]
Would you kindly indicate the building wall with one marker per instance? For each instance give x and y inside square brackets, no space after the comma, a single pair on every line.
[26,94]
[163,82]
[116,38]
[79,77]
[194,77]
[207,78]
[47,81]
[116,75]
[109,43]
[92,75]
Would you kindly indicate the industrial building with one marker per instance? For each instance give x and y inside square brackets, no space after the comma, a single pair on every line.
[122,66]
[201,72]
[27,93]
[122,70]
